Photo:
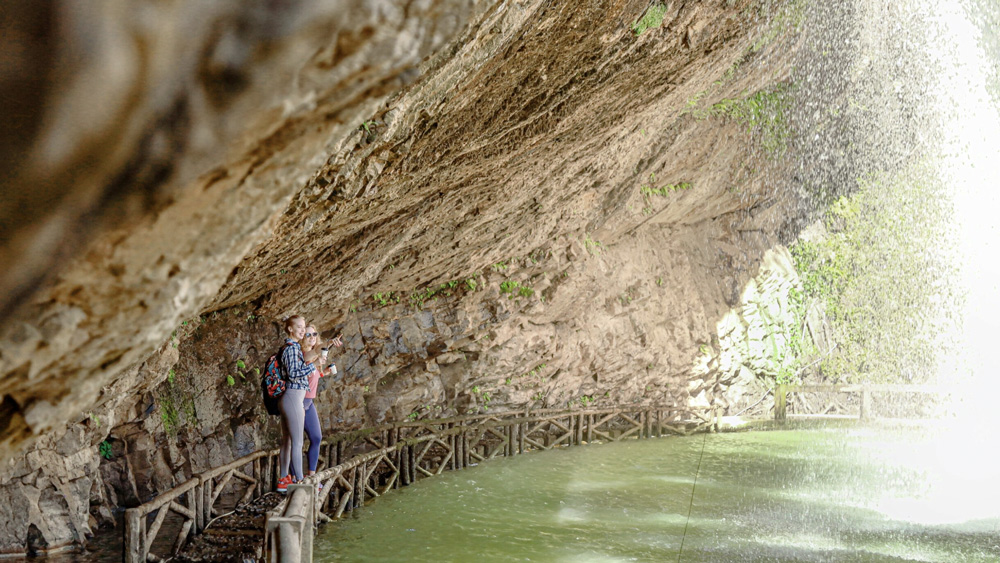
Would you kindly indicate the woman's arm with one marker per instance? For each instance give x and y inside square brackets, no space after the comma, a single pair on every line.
[295,363]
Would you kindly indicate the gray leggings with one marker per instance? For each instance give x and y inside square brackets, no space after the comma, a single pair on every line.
[293,416]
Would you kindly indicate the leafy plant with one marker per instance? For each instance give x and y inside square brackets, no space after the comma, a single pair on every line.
[515,289]
[383,299]
[169,416]
[652,18]
[782,16]
[230,380]
[105,450]
[664,190]
[593,246]
[764,112]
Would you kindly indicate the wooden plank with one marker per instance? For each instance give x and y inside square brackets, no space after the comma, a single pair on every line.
[135,536]
[392,482]
[182,510]
[444,462]
[247,494]
[199,498]
[155,527]
[182,537]
[602,435]
[536,444]
[492,453]
[343,504]
[207,505]
[564,428]
[217,489]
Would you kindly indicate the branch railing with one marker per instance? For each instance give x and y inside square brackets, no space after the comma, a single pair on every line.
[196,501]
[366,463]
[865,392]
[410,451]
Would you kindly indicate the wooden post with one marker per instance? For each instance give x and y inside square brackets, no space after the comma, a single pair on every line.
[590,428]
[404,465]
[269,473]
[397,458]
[199,502]
[362,476]
[135,537]
[866,403]
[412,452]
[207,505]
[340,452]
[780,392]
[453,462]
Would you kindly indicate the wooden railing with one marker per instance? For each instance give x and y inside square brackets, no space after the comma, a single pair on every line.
[366,463]
[865,392]
[408,451]
[196,502]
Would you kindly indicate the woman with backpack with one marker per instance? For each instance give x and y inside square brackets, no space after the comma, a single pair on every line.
[311,351]
[296,371]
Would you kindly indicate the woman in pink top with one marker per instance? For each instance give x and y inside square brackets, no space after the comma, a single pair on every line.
[311,352]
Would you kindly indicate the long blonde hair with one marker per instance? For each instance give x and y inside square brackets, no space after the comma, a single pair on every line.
[305,338]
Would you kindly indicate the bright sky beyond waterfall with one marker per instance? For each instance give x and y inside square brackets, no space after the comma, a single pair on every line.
[971,164]
[960,459]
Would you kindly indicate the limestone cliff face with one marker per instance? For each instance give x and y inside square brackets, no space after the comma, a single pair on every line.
[500,205]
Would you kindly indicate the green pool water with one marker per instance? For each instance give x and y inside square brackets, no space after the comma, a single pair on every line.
[833,493]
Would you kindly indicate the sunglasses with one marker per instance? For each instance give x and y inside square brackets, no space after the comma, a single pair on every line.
[312,334]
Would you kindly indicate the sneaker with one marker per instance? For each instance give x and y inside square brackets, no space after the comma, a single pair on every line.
[284,482]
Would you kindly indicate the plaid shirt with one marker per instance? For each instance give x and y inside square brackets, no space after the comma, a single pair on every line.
[297,370]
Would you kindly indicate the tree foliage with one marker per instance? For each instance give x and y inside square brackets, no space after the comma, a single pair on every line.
[883,278]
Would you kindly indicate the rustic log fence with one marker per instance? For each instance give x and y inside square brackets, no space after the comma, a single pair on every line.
[409,451]
[196,501]
[367,463]
[864,392]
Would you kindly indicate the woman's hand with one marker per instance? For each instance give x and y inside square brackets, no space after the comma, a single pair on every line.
[335,341]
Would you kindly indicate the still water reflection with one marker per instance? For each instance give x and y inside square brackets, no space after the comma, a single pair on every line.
[831,493]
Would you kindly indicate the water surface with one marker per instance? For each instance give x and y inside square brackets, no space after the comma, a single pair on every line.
[842,493]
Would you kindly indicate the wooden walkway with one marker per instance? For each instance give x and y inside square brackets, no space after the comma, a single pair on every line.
[365,464]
